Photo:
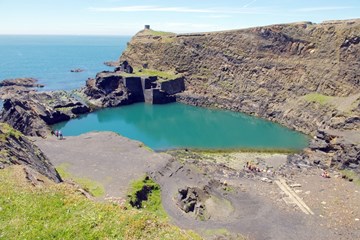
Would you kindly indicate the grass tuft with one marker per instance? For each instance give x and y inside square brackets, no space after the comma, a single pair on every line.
[319,98]
[57,211]
[145,194]
[349,174]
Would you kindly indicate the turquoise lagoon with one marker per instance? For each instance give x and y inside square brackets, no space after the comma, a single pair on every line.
[177,125]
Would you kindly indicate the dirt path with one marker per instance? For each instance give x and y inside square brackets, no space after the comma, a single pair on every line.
[105,157]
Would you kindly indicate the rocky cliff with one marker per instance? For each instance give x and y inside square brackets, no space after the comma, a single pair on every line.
[15,148]
[302,75]
[32,112]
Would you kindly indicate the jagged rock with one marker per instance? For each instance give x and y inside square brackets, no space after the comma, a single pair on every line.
[192,199]
[77,70]
[107,90]
[21,82]
[32,113]
[339,149]
[111,89]
[15,148]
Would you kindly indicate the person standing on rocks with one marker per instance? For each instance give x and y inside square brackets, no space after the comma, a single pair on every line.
[60,135]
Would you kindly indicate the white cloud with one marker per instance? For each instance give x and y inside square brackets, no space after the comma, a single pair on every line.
[249,3]
[145,8]
[152,9]
[319,9]
[219,16]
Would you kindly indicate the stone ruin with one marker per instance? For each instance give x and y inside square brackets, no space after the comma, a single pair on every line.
[191,199]
[148,89]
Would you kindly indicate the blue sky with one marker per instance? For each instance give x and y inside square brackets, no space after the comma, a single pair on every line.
[126,17]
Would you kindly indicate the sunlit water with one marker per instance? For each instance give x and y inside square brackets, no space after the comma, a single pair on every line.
[50,58]
[181,126]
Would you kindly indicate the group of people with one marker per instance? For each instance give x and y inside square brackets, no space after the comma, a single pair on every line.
[252,168]
[57,134]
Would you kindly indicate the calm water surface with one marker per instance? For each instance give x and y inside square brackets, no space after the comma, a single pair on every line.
[50,59]
[178,126]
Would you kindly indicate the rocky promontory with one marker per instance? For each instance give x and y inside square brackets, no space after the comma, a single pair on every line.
[31,112]
[302,75]
[124,86]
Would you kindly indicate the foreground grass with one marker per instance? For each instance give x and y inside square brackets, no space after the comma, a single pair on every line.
[349,174]
[57,211]
[152,201]
[94,188]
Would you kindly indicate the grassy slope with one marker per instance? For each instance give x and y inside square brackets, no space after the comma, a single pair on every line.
[153,204]
[57,211]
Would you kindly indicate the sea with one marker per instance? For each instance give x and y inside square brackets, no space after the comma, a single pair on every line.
[50,59]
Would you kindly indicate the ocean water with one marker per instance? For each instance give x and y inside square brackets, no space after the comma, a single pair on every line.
[178,125]
[50,58]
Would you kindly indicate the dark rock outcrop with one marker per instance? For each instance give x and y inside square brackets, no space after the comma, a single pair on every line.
[21,82]
[15,148]
[106,90]
[77,70]
[111,89]
[32,113]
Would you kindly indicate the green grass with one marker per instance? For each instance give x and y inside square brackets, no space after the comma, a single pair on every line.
[57,211]
[8,131]
[317,97]
[152,72]
[93,187]
[153,203]
[349,174]
[158,33]
[149,149]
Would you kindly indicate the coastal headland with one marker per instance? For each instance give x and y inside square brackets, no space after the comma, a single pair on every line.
[302,75]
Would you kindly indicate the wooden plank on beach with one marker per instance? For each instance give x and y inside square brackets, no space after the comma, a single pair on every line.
[293,196]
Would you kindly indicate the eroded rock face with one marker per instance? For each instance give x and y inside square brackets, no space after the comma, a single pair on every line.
[263,71]
[15,148]
[331,148]
[106,90]
[32,112]
[269,72]
[111,89]
[192,199]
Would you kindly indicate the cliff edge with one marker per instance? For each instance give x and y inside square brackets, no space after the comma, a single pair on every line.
[302,75]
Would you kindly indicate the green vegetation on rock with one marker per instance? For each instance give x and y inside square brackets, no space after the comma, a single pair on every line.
[317,97]
[8,131]
[158,33]
[351,175]
[146,194]
[153,72]
[58,211]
